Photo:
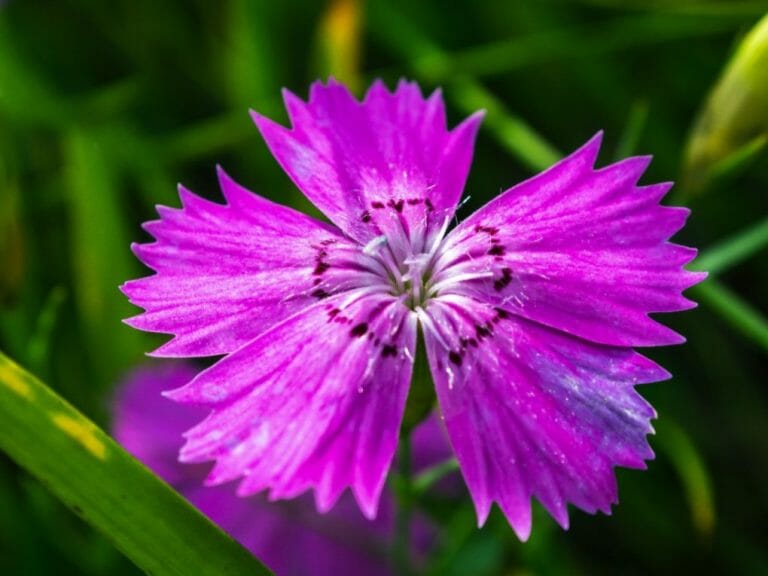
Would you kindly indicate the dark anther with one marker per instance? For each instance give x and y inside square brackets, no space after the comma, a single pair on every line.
[376,204]
[365,216]
[319,293]
[359,330]
[496,250]
[454,357]
[504,281]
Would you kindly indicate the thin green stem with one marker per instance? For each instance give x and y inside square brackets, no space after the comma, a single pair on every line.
[429,477]
[404,496]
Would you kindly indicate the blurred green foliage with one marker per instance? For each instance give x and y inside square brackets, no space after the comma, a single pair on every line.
[104,106]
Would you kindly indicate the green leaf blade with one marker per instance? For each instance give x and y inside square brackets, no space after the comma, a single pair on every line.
[144,518]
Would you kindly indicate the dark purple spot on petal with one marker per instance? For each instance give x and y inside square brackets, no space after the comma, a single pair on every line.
[316,281]
[501,313]
[319,293]
[334,312]
[320,268]
[497,250]
[396,205]
[414,201]
[455,357]
[365,217]
[490,230]
[482,331]
[428,204]
[376,204]
[359,330]
[389,350]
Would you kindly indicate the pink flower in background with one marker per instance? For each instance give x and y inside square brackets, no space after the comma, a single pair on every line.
[530,309]
[290,537]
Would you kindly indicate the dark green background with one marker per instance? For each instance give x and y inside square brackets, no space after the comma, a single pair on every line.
[104,106]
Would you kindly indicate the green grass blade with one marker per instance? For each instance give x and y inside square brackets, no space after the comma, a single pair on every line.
[731,308]
[726,9]
[733,250]
[209,136]
[574,43]
[693,473]
[100,250]
[514,134]
[633,131]
[108,488]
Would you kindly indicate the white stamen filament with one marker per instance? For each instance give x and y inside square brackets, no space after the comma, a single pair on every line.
[429,326]
[374,245]
[435,288]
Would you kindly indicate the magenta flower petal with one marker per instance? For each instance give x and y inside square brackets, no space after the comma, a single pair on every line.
[315,402]
[372,166]
[581,250]
[535,412]
[226,273]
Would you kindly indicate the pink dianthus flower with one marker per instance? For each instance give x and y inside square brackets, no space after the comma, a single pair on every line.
[530,310]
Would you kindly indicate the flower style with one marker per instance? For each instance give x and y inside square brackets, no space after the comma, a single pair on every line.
[529,308]
[340,542]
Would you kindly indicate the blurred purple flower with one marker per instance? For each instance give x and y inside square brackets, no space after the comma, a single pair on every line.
[530,309]
[290,537]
